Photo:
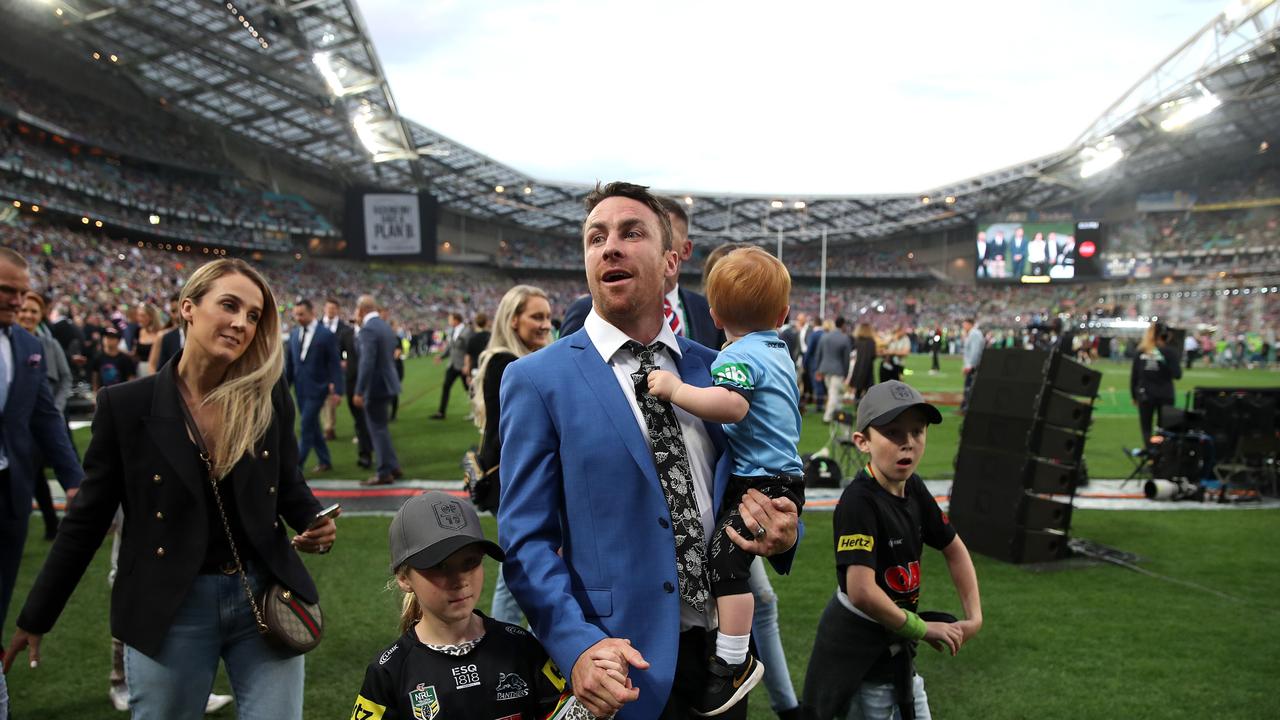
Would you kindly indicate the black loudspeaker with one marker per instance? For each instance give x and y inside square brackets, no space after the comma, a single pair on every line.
[1023,438]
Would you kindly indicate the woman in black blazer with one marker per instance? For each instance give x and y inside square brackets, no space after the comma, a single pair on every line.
[178,602]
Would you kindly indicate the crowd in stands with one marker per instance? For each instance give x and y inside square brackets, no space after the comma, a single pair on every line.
[90,275]
[217,207]
[152,135]
[803,260]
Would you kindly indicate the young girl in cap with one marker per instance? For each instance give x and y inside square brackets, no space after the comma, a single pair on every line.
[451,661]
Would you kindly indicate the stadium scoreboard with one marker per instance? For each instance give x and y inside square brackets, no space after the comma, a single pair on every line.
[1038,248]
[383,225]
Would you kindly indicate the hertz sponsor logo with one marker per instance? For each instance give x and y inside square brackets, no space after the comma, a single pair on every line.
[855,542]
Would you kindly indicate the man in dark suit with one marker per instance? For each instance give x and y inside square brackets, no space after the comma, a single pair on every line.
[686,311]
[313,367]
[28,420]
[348,359]
[376,385]
[174,338]
[592,556]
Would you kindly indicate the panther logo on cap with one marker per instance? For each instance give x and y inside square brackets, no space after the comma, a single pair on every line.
[449,515]
[901,392]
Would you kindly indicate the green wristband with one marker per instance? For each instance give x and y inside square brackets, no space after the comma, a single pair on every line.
[913,629]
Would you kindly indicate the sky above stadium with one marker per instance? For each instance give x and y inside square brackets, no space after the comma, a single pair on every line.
[791,98]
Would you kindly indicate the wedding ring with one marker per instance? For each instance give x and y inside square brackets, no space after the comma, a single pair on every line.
[759,531]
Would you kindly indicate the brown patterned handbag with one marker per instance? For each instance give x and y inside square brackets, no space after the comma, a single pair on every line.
[284,619]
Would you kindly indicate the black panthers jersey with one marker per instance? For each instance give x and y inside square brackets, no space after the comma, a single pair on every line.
[506,676]
[887,533]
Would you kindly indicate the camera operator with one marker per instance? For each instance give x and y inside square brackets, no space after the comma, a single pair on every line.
[1151,380]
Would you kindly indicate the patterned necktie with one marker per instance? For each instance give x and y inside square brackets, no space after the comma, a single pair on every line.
[672,461]
[673,319]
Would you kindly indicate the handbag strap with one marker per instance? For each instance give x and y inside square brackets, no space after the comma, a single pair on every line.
[194,431]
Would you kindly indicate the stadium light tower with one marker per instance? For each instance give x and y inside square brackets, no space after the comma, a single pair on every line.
[1184,111]
[1096,158]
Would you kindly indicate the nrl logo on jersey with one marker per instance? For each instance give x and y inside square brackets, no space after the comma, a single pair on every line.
[424,702]
[511,686]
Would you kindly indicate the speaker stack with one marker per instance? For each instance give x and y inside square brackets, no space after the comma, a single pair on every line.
[1022,439]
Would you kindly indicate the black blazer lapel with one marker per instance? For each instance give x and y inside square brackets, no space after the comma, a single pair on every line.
[168,431]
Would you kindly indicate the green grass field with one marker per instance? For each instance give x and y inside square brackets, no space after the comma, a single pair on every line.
[1080,641]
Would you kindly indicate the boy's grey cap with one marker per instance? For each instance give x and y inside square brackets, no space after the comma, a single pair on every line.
[432,526]
[888,400]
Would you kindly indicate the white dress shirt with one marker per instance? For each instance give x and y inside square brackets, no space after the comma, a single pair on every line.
[677,307]
[308,334]
[608,341]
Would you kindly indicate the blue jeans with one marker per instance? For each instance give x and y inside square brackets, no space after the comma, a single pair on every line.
[504,606]
[214,622]
[876,702]
[764,628]
[376,411]
[312,436]
[4,693]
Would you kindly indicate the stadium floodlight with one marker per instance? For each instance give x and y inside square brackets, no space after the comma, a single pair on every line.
[324,63]
[776,204]
[1187,110]
[1096,158]
[799,205]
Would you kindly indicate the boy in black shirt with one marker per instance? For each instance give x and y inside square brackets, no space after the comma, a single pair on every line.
[451,661]
[112,367]
[862,657]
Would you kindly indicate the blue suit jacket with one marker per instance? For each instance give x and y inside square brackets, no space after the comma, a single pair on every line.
[376,344]
[701,328]
[577,476]
[311,378]
[30,420]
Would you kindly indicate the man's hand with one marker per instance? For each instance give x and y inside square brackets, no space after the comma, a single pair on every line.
[817,376]
[357,401]
[663,384]
[334,398]
[776,516]
[944,635]
[599,678]
[23,639]
[71,494]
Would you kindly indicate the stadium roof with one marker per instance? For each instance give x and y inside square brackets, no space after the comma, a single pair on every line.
[303,77]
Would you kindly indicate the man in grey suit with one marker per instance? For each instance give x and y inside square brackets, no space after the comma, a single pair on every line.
[456,350]
[832,365]
[376,385]
[974,344]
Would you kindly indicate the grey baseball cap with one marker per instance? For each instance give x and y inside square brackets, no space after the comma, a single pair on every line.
[888,400]
[432,526]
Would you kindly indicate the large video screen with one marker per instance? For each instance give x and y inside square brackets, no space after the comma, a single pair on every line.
[391,225]
[1028,249]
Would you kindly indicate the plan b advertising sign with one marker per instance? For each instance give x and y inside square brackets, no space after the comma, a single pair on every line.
[392,225]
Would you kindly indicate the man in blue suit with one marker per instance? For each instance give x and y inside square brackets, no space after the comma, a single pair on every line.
[28,420]
[590,526]
[313,367]
[376,385]
[686,311]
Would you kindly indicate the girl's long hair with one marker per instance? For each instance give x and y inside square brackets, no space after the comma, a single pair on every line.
[503,340]
[243,398]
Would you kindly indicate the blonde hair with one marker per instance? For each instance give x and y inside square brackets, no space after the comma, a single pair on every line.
[749,289]
[503,339]
[1148,343]
[244,395]
[864,331]
[154,321]
[410,610]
